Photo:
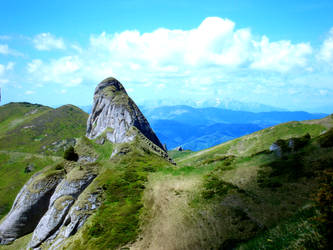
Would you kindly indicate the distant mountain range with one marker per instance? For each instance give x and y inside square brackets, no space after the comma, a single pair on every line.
[223,103]
[199,128]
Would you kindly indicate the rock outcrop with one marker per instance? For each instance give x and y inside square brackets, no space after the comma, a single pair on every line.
[114,113]
[60,203]
[53,201]
[293,144]
[57,201]
[29,206]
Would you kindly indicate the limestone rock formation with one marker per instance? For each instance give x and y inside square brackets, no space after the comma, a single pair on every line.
[29,206]
[51,203]
[114,113]
[60,203]
[55,203]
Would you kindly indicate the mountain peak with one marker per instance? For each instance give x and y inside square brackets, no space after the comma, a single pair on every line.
[109,86]
[115,113]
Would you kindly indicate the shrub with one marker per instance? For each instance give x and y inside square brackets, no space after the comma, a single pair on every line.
[324,201]
[300,142]
[70,154]
[214,187]
[326,140]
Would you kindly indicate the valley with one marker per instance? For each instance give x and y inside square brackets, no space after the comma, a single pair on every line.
[269,189]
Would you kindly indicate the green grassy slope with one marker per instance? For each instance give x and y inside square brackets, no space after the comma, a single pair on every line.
[35,128]
[238,191]
[234,195]
[13,174]
[261,140]
[14,114]
[28,133]
[123,180]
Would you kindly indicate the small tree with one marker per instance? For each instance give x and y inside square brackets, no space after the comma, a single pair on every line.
[70,154]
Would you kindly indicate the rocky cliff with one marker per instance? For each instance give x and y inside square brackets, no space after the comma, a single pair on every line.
[50,204]
[114,113]
[56,202]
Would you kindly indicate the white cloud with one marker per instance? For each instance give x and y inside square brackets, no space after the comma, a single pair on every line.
[4,70]
[326,50]
[280,56]
[29,92]
[47,41]
[63,70]
[34,65]
[213,52]
[5,50]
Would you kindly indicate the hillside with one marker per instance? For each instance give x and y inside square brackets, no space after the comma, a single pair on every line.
[83,195]
[29,132]
[34,128]
[265,190]
[241,195]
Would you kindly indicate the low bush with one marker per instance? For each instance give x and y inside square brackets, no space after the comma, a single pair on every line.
[70,154]
[215,187]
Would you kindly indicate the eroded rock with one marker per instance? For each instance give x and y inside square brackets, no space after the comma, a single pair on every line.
[61,201]
[29,206]
[114,113]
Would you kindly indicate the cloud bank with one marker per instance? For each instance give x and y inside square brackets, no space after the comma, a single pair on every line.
[214,44]
[213,60]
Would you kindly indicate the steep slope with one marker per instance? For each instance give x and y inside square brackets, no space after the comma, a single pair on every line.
[222,197]
[52,208]
[113,109]
[28,129]
[14,114]
[16,169]
[35,128]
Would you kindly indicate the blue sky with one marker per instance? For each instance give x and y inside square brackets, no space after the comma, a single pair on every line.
[278,54]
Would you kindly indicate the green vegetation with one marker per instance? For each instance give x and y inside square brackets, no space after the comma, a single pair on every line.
[40,129]
[214,187]
[70,154]
[19,244]
[13,174]
[174,154]
[248,196]
[299,232]
[123,181]
[324,202]
[14,114]
[326,140]
[234,195]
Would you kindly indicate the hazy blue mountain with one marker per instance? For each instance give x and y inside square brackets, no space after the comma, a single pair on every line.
[86,108]
[224,103]
[199,128]
[198,137]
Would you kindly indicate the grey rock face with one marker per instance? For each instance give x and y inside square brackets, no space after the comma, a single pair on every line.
[61,201]
[86,158]
[29,168]
[29,206]
[76,218]
[276,149]
[114,112]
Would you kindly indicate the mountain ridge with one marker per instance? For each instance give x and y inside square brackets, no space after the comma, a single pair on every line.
[126,193]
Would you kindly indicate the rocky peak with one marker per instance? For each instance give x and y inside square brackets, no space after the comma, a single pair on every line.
[115,114]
